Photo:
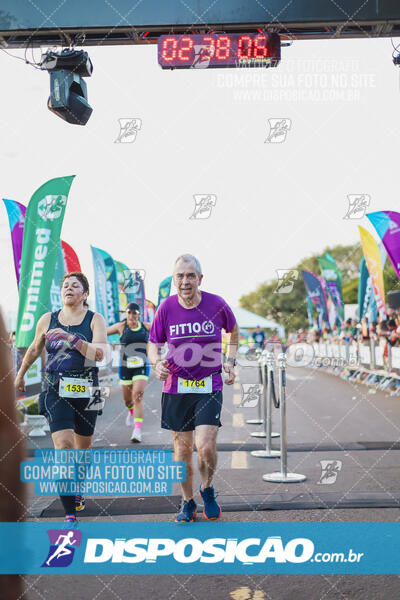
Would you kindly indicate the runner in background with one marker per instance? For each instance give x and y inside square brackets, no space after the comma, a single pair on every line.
[259,337]
[75,339]
[134,367]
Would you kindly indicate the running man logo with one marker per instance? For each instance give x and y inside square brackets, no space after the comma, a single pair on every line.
[50,207]
[251,394]
[203,205]
[202,55]
[128,129]
[278,129]
[132,280]
[329,471]
[358,204]
[98,397]
[286,280]
[245,593]
[62,547]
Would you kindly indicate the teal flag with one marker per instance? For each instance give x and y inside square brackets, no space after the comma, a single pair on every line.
[112,294]
[164,290]
[40,250]
[99,269]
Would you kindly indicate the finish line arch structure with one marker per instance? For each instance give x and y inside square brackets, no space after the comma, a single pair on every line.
[43,23]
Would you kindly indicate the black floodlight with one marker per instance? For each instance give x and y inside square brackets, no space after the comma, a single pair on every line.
[68,91]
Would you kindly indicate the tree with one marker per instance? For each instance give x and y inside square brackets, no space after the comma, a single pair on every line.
[290,310]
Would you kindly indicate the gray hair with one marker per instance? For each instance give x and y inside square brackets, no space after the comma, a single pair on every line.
[189,258]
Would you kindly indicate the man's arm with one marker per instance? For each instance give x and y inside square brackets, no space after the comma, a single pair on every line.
[153,353]
[159,365]
[232,345]
[233,342]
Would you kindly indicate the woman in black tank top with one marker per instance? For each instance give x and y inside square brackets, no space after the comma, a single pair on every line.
[75,339]
[134,367]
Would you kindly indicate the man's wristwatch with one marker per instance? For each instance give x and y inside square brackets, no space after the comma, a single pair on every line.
[232,361]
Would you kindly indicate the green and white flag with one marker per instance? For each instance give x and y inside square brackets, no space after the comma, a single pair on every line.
[40,250]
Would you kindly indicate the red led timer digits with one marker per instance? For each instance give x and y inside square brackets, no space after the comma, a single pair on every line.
[249,47]
[220,48]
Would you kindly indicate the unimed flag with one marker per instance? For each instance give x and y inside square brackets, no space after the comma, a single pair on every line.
[40,250]
[55,302]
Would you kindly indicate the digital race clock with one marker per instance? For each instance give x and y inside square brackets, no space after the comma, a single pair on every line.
[219,50]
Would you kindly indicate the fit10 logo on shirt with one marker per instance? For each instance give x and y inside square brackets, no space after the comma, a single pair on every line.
[62,547]
[182,329]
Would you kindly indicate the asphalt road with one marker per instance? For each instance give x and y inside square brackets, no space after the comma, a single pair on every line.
[327,420]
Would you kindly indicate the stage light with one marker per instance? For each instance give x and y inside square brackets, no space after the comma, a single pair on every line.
[68,92]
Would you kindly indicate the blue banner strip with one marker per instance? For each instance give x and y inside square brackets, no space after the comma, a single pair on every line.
[206,548]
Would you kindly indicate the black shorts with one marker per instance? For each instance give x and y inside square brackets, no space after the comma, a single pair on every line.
[128,376]
[184,412]
[79,414]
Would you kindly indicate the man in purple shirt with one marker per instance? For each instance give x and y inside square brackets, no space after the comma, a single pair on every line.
[191,323]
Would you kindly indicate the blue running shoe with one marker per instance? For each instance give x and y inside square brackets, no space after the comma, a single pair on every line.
[188,512]
[212,510]
[79,503]
[70,522]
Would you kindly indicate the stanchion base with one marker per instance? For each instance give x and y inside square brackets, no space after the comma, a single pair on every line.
[258,434]
[281,478]
[255,421]
[265,453]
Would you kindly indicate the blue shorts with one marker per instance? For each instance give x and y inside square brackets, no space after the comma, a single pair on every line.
[184,412]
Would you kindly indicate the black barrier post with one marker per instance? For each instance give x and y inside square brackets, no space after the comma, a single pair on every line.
[283,476]
[260,420]
[268,452]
